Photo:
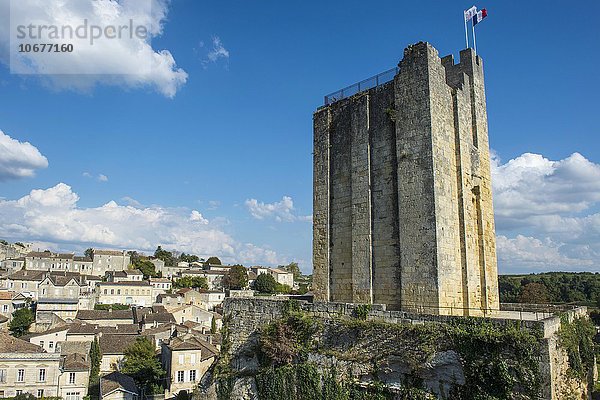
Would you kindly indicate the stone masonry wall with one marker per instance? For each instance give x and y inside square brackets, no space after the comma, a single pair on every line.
[402,191]
[244,317]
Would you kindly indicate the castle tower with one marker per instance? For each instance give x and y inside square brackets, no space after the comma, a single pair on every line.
[403,211]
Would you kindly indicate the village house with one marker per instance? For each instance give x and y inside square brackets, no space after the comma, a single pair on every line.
[186,359]
[189,312]
[27,368]
[48,261]
[6,303]
[282,277]
[129,275]
[138,293]
[12,265]
[75,375]
[118,386]
[170,299]
[160,286]
[24,282]
[49,339]
[109,260]
[113,349]
[209,299]
[213,278]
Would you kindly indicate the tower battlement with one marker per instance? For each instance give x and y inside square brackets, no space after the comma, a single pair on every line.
[403,211]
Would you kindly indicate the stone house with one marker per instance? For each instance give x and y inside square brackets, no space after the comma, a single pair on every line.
[49,339]
[137,293]
[27,368]
[12,265]
[83,332]
[118,386]
[109,260]
[74,378]
[213,278]
[282,277]
[209,299]
[170,299]
[129,275]
[25,282]
[6,304]
[48,261]
[186,359]
[159,286]
[196,314]
[113,349]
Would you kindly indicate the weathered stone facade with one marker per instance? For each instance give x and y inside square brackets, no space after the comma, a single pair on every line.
[403,210]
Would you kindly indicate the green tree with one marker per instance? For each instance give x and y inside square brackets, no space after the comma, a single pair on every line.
[294,269]
[140,362]
[134,257]
[265,283]
[164,255]
[189,258]
[21,321]
[199,282]
[237,278]
[213,326]
[88,252]
[534,293]
[95,358]
[147,268]
[213,261]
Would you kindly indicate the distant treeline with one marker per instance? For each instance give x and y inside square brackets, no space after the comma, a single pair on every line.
[551,287]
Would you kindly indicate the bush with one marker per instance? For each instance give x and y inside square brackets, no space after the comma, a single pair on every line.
[265,283]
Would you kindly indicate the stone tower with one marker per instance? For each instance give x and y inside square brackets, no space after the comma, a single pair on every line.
[403,210]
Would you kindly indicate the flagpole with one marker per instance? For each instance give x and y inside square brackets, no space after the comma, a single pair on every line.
[466,32]
[474,40]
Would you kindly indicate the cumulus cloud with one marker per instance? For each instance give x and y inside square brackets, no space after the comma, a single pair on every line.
[102,178]
[19,159]
[129,61]
[546,212]
[281,211]
[53,216]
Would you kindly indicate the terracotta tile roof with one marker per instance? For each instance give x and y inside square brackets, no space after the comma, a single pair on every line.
[91,329]
[117,344]
[27,275]
[10,344]
[49,331]
[126,283]
[134,272]
[72,347]
[162,318]
[207,350]
[104,314]
[108,252]
[82,259]
[75,362]
[117,381]
[4,295]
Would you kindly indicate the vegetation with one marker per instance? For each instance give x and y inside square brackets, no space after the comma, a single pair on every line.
[115,306]
[293,268]
[199,282]
[95,358]
[21,321]
[213,261]
[88,252]
[140,362]
[166,256]
[265,283]
[189,258]
[551,287]
[499,361]
[577,338]
[213,325]
[237,278]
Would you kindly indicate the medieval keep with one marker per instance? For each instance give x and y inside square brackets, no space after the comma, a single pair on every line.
[403,211]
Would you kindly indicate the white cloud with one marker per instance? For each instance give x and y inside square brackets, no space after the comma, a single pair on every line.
[281,211]
[197,217]
[19,159]
[102,178]
[218,51]
[52,216]
[86,175]
[129,62]
[546,213]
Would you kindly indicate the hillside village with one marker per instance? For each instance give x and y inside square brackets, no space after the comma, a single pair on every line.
[74,326]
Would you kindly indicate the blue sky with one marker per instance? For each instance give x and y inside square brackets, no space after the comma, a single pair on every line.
[236,136]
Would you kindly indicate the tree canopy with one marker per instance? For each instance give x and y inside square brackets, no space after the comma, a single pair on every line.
[140,362]
[293,268]
[166,256]
[89,252]
[265,283]
[21,321]
[237,278]
[191,282]
[214,261]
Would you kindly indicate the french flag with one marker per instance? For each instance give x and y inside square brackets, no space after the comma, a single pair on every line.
[479,16]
